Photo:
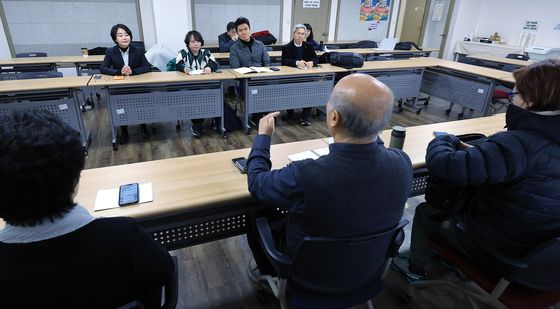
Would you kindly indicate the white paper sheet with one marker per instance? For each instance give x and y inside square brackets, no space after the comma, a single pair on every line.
[109,198]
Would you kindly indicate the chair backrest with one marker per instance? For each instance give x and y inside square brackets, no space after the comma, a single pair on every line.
[329,265]
[98,51]
[472,61]
[364,44]
[518,56]
[31,54]
[138,44]
[543,271]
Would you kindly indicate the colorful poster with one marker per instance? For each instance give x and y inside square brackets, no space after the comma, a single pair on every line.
[375,10]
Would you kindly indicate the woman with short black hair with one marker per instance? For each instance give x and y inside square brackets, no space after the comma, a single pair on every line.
[125,59]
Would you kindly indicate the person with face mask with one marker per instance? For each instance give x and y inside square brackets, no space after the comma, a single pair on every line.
[513,178]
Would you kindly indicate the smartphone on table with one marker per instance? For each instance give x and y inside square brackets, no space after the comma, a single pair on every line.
[128,194]
[241,164]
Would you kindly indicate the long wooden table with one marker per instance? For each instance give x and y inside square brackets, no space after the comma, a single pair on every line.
[81,63]
[162,96]
[286,89]
[204,197]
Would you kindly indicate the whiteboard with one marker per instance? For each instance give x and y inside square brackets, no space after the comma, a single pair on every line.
[61,28]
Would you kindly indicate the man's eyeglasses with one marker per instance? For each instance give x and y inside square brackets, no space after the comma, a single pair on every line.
[512,94]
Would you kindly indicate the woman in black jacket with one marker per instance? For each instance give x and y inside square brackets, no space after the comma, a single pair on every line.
[125,59]
[513,176]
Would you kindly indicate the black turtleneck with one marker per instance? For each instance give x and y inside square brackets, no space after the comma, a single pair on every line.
[123,49]
[249,43]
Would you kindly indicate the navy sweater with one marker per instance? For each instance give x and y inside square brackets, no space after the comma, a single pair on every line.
[354,190]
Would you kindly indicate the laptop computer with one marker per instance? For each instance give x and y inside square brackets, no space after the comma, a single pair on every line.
[388,44]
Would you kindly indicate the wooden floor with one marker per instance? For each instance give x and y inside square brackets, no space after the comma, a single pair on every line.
[213,275]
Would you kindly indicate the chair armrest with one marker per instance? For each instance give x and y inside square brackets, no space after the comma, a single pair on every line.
[267,241]
[398,239]
[172,287]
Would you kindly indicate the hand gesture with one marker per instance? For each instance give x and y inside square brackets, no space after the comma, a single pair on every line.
[206,70]
[266,124]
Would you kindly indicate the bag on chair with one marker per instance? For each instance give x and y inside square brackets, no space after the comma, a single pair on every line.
[347,60]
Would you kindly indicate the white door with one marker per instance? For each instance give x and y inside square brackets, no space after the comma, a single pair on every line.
[318,18]
[436,25]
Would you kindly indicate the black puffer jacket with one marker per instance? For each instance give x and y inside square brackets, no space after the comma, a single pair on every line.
[518,204]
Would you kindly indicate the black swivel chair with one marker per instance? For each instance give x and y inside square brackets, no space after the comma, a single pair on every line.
[529,282]
[171,292]
[330,273]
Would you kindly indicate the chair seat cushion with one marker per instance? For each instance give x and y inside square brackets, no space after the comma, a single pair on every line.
[299,298]
[499,94]
[515,296]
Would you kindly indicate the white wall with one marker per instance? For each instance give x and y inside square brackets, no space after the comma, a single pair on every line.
[172,20]
[505,17]
[4,48]
[148,23]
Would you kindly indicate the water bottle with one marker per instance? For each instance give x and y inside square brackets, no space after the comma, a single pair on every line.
[397,137]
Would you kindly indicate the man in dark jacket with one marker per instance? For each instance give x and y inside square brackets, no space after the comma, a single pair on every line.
[299,53]
[515,204]
[226,39]
[359,188]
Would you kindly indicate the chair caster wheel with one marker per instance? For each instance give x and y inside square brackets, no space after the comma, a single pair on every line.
[418,112]
[460,115]
[447,111]
[115,147]
[224,135]
[248,131]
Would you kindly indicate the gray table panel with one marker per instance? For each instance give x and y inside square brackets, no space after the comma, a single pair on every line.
[404,83]
[469,91]
[63,103]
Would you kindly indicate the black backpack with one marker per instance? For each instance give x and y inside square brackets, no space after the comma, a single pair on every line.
[407,45]
[347,60]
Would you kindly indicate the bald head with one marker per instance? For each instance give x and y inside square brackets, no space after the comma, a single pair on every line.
[364,103]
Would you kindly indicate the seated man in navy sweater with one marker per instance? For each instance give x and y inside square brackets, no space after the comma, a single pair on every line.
[359,188]
[53,252]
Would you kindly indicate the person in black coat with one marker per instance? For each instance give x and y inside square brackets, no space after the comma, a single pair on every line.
[226,39]
[125,59]
[299,53]
[53,252]
[511,180]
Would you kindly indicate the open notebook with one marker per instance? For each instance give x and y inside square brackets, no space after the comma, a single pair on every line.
[309,154]
[246,70]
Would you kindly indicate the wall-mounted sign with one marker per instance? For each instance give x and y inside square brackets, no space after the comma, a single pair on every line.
[532,25]
[311,4]
[375,10]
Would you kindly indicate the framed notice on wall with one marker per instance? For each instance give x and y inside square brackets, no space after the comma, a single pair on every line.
[311,4]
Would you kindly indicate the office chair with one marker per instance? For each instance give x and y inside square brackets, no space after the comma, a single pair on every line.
[138,44]
[518,56]
[31,54]
[171,291]
[330,272]
[530,282]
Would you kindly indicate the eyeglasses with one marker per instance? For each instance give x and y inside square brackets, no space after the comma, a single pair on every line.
[512,94]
